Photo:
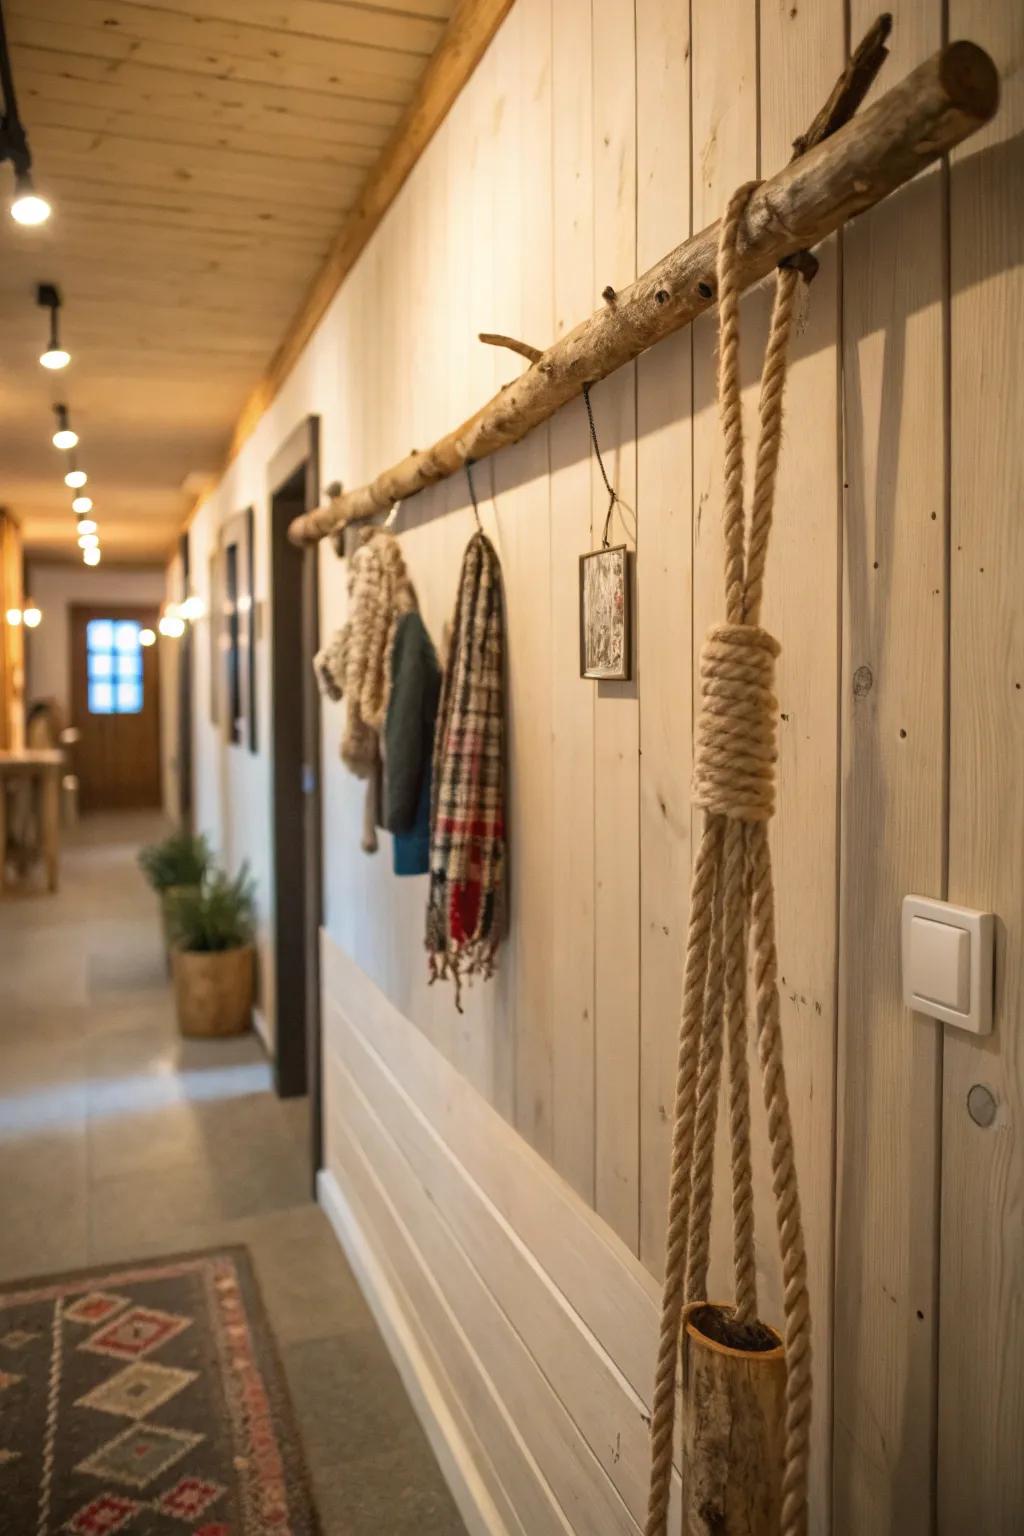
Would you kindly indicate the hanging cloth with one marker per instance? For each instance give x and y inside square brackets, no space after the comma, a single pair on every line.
[731,918]
[356,664]
[465,908]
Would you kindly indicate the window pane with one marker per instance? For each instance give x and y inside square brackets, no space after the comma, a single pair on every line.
[129,698]
[99,635]
[100,665]
[101,699]
[130,666]
[127,636]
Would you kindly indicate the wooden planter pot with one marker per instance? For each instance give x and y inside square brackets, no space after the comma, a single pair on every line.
[213,990]
[733,1416]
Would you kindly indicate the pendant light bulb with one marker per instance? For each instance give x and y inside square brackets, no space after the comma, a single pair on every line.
[14,617]
[91,556]
[64,438]
[55,357]
[27,207]
[31,616]
[87,525]
[88,540]
[74,478]
[82,504]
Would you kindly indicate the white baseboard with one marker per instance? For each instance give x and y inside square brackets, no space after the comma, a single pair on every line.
[474,1503]
[259,1024]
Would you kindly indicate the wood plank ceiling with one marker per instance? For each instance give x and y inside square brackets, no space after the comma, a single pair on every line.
[200,156]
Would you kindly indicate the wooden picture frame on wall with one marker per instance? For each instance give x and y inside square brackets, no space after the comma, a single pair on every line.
[236,637]
[606,617]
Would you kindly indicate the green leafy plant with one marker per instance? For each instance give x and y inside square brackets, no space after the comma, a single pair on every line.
[181,859]
[216,915]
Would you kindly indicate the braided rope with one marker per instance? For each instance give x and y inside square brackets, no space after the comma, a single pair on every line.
[732,915]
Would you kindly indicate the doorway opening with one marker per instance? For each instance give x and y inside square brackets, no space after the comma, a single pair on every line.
[294,484]
[115,706]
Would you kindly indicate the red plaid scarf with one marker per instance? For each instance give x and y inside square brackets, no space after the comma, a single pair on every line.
[467,812]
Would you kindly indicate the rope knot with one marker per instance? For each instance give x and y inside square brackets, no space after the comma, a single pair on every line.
[734,760]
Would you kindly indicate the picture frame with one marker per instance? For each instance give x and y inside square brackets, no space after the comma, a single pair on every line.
[606,618]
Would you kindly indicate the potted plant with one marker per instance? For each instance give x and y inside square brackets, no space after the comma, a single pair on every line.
[211,929]
[172,866]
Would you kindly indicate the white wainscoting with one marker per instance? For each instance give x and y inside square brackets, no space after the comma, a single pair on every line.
[523,1327]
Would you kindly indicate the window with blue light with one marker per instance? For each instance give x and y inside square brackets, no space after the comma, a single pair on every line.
[114,659]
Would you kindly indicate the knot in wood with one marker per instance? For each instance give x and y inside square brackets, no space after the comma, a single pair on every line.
[735,752]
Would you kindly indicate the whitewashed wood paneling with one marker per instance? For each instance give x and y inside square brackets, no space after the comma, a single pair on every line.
[594,134]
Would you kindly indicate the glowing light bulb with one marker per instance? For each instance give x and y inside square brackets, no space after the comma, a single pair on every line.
[74,478]
[88,540]
[91,556]
[87,525]
[55,358]
[171,626]
[192,608]
[82,504]
[27,207]
[147,637]
[65,438]
[32,616]
[14,616]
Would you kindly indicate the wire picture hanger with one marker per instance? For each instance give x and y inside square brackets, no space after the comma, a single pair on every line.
[613,495]
[472,493]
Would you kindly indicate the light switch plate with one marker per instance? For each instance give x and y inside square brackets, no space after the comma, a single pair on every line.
[947,962]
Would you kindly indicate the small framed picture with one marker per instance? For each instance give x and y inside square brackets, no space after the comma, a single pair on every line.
[605,625]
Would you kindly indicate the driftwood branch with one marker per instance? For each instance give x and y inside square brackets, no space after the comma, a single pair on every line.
[933,109]
[851,87]
[522,347]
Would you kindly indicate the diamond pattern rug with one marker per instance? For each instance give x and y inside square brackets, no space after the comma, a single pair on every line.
[146,1400]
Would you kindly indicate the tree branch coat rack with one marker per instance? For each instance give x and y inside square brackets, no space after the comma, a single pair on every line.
[836,173]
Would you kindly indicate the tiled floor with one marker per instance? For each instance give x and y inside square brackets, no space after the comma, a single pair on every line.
[118,1140]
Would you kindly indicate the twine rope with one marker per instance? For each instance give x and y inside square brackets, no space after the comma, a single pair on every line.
[732,915]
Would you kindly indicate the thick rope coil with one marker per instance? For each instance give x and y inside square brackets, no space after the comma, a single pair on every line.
[731,918]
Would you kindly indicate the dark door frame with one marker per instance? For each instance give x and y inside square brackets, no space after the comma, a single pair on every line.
[297,860]
[186,647]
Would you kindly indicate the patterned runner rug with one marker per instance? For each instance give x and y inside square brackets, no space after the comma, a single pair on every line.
[146,1399]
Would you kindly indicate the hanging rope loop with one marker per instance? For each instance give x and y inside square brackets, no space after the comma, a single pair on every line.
[734,755]
[731,928]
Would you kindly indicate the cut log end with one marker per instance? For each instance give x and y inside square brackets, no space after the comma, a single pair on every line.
[733,1415]
[970,79]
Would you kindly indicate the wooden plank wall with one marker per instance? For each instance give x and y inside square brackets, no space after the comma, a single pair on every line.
[593,136]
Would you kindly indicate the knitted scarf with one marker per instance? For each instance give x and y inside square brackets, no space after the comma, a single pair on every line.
[467,814]
[356,664]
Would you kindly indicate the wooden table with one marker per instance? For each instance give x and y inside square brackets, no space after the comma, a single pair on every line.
[43,768]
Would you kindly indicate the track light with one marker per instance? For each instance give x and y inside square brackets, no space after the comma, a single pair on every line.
[27,207]
[82,504]
[91,556]
[64,437]
[55,357]
[86,525]
[171,625]
[74,478]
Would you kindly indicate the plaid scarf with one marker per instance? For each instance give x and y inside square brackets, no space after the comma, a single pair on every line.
[467,811]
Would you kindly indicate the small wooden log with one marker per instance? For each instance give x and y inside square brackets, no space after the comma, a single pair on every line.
[934,108]
[733,1413]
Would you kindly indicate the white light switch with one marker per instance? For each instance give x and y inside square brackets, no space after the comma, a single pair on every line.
[947,962]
